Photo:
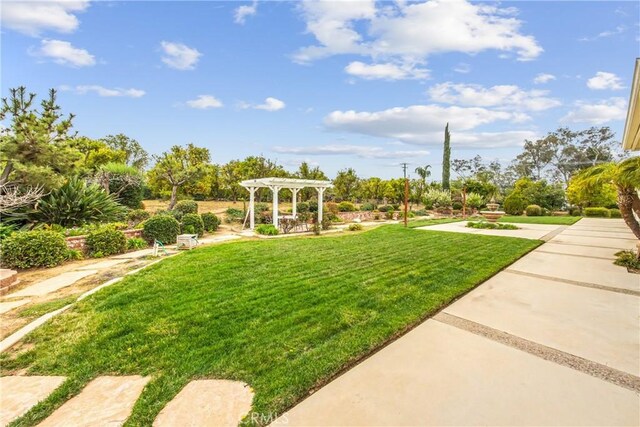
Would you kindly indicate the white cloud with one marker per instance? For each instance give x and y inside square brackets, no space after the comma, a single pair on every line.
[410,32]
[241,12]
[203,102]
[180,56]
[362,151]
[106,92]
[424,124]
[543,78]
[501,96]
[462,68]
[386,71]
[269,104]
[34,17]
[64,53]
[608,33]
[597,113]
[603,80]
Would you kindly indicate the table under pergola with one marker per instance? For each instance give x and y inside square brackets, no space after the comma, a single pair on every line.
[277,184]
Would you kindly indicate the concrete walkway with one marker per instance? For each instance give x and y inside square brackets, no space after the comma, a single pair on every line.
[552,340]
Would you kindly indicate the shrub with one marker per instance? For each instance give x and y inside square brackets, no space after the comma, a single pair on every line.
[385,208]
[302,207]
[186,207]
[491,225]
[475,200]
[376,217]
[332,207]
[355,227]
[76,203]
[420,212]
[267,229]
[163,228]
[192,224]
[346,207]
[514,204]
[628,259]
[106,241]
[368,207]
[615,213]
[74,255]
[313,206]
[36,248]
[136,216]
[395,206]
[262,207]
[457,205]
[234,214]
[6,230]
[575,211]
[210,221]
[533,210]
[597,212]
[135,243]
[438,198]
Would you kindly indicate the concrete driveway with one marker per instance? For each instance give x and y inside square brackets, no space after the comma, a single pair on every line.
[552,340]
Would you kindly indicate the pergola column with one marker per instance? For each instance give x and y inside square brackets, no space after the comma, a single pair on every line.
[252,210]
[320,203]
[294,200]
[274,190]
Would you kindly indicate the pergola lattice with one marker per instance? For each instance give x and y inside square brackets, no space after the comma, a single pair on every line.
[277,184]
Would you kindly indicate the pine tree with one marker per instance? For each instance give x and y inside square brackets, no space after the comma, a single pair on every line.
[446,159]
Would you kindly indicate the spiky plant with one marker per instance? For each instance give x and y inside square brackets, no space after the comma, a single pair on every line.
[76,203]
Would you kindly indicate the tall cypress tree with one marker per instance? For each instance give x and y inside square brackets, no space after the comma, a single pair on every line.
[446,159]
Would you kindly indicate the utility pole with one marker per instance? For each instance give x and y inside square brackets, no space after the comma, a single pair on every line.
[406,193]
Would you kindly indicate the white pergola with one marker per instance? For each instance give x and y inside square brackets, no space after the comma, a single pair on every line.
[277,184]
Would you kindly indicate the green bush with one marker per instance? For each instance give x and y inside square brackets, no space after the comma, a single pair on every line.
[368,207]
[136,243]
[136,216]
[355,227]
[210,221]
[74,255]
[533,210]
[313,206]
[106,241]
[234,214]
[302,207]
[163,228]
[6,230]
[491,225]
[263,207]
[420,212]
[597,212]
[76,203]
[346,207]
[35,248]
[627,259]
[385,208]
[186,207]
[575,211]
[267,229]
[437,198]
[615,213]
[457,205]
[514,204]
[332,207]
[475,200]
[192,224]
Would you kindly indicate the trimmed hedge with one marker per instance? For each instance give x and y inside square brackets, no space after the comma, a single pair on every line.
[163,228]
[346,207]
[106,241]
[514,204]
[37,248]
[211,221]
[597,212]
[615,213]
[533,210]
[192,224]
[186,207]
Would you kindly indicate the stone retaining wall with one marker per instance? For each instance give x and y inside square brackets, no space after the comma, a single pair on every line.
[79,242]
[363,215]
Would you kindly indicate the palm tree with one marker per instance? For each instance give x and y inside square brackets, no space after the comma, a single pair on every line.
[424,172]
[625,176]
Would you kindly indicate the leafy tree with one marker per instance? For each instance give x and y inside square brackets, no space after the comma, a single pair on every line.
[180,165]
[123,181]
[33,147]
[583,192]
[346,184]
[230,177]
[424,172]
[446,159]
[394,190]
[96,153]
[307,172]
[134,155]
[373,189]
[598,145]
[535,158]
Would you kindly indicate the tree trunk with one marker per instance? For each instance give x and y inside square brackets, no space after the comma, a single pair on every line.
[174,196]
[635,205]
[625,202]
[4,178]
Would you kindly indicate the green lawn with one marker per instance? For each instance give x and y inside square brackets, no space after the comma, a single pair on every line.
[283,315]
[424,222]
[551,220]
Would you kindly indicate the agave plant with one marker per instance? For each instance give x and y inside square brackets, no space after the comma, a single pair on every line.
[76,203]
[625,176]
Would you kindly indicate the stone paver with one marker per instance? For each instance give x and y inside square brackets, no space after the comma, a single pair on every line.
[440,375]
[596,271]
[10,305]
[53,284]
[526,231]
[18,394]
[207,403]
[613,243]
[105,401]
[595,324]
[104,264]
[137,254]
[585,251]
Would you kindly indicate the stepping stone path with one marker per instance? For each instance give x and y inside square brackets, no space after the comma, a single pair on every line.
[105,401]
[18,394]
[10,305]
[207,403]
[104,264]
[53,284]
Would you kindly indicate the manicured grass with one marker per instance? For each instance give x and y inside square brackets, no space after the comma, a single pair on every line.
[425,222]
[551,220]
[37,310]
[283,315]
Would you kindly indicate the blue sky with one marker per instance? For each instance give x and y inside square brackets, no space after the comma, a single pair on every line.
[359,83]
